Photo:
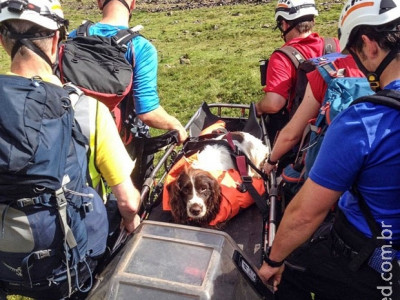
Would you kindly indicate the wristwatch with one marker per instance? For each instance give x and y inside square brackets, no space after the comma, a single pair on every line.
[272,263]
[269,161]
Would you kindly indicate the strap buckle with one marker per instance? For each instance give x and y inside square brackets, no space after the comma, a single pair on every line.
[21,203]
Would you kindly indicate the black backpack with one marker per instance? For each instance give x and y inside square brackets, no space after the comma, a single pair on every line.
[97,64]
[53,225]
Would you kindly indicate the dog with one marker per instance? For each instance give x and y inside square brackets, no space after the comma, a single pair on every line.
[195,196]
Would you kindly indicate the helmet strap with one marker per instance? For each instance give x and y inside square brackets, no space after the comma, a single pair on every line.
[30,45]
[373,77]
[294,24]
[122,1]
[285,32]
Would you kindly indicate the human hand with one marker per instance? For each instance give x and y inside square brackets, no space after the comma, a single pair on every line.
[271,276]
[182,135]
[268,168]
[132,224]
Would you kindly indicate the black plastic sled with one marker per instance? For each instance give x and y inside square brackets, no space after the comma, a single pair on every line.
[164,260]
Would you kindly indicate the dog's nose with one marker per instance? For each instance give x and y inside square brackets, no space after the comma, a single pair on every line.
[196,209]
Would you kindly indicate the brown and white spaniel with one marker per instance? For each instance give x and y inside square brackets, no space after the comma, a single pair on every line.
[195,196]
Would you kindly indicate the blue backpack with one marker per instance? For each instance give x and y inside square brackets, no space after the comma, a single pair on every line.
[53,225]
[341,91]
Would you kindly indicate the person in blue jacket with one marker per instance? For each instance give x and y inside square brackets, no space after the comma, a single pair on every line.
[116,16]
[358,166]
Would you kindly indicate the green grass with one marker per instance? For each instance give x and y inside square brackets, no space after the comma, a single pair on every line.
[224,45]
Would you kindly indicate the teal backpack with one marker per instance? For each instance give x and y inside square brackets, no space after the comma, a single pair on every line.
[341,92]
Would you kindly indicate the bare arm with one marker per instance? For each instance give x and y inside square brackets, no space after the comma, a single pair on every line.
[302,217]
[293,131]
[160,119]
[270,104]
[128,198]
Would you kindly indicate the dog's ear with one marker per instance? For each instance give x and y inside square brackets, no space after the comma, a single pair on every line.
[214,203]
[177,199]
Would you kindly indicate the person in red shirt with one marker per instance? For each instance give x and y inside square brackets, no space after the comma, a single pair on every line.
[292,133]
[295,20]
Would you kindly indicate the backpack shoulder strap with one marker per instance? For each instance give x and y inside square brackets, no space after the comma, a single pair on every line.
[83,29]
[328,71]
[293,54]
[78,98]
[389,98]
[329,45]
[370,244]
[124,36]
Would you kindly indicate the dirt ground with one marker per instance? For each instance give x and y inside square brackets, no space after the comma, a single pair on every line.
[167,5]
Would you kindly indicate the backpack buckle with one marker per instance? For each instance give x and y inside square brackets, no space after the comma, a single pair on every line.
[87,207]
[124,48]
[42,254]
[241,187]
[247,179]
[60,198]
[21,203]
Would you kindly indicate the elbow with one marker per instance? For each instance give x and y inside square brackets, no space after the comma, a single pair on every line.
[268,109]
[277,105]
[289,136]
[145,118]
[128,207]
[270,104]
[293,139]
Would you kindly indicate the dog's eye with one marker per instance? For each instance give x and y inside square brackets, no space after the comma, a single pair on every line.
[185,190]
[203,190]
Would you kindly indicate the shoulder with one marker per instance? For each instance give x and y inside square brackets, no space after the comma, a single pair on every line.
[141,43]
[364,114]
[279,58]
[144,52]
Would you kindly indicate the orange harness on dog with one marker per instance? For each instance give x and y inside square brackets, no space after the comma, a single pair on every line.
[232,198]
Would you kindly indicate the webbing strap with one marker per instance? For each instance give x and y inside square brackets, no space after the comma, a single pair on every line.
[370,244]
[390,98]
[242,164]
[83,29]
[329,45]
[303,139]
[297,58]
[62,212]
[69,239]
[34,255]
[122,37]
[293,54]
[31,46]
[122,1]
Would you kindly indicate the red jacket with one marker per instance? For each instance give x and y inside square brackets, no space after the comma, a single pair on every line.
[282,74]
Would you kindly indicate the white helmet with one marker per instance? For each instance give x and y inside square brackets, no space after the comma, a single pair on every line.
[46,13]
[365,12]
[295,9]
